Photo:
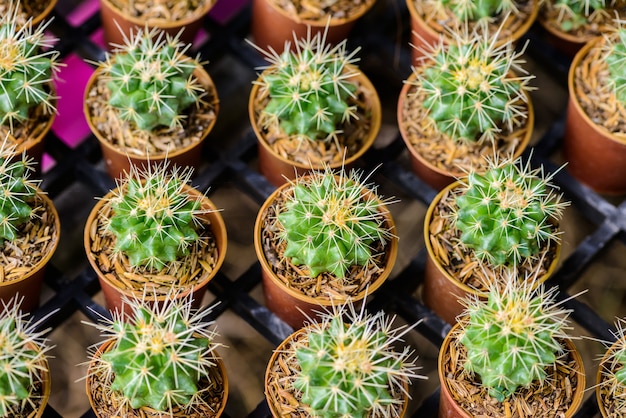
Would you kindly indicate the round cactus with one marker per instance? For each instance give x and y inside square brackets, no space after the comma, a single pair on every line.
[329,224]
[612,382]
[472,87]
[473,10]
[512,336]
[23,354]
[155,221]
[574,14]
[151,79]
[159,358]
[347,367]
[507,213]
[16,190]
[616,60]
[27,65]
[309,87]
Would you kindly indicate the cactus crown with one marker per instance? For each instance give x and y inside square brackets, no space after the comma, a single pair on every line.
[27,65]
[348,366]
[615,43]
[513,335]
[23,355]
[473,10]
[155,221]
[574,14]
[309,87]
[159,357]
[151,79]
[507,213]
[613,370]
[329,224]
[16,190]
[469,87]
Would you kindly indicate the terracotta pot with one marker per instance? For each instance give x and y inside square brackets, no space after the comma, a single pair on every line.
[113,294]
[292,306]
[279,170]
[435,176]
[274,407]
[441,292]
[272,25]
[118,162]
[603,367]
[565,42]
[30,284]
[111,17]
[449,408]
[595,156]
[425,33]
[147,411]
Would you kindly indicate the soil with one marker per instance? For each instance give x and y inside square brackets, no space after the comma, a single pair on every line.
[281,394]
[315,153]
[319,10]
[28,9]
[595,93]
[600,21]
[458,260]
[550,399]
[169,10]
[325,286]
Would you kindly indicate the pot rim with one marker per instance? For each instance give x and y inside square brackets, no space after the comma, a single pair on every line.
[160,22]
[322,22]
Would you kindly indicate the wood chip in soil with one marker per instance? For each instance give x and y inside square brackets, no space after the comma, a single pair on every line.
[170,10]
[319,10]
[27,9]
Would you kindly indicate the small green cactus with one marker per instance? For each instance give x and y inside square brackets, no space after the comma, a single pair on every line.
[473,10]
[329,224]
[158,358]
[16,190]
[615,44]
[508,212]
[309,87]
[573,14]
[23,360]
[27,65]
[513,335]
[155,221]
[151,79]
[473,88]
[613,372]
[348,364]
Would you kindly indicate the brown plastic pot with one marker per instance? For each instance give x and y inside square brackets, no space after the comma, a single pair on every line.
[434,176]
[112,17]
[114,295]
[30,284]
[275,407]
[278,170]
[147,411]
[565,42]
[449,408]
[272,25]
[595,156]
[425,34]
[441,292]
[292,306]
[118,162]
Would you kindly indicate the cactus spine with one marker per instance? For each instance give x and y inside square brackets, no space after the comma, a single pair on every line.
[512,336]
[154,219]
[347,366]
[158,358]
[151,79]
[328,223]
[507,213]
[613,373]
[615,42]
[27,65]
[474,10]
[470,89]
[574,14]
[309,88]
[23,360]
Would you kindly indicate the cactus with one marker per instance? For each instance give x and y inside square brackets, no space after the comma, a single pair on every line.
[615,44]
[27,65]
[23,360]
[309,88]
[329,225]
[474,10]
[469,87]
[151,80]
[573,14]
[612,372]
[16,190]
[348,365]
[513,335]
[508,212]
[158,358]
[155,221]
